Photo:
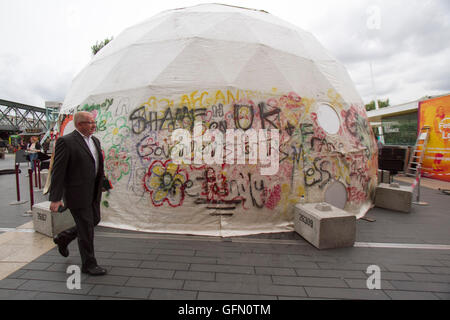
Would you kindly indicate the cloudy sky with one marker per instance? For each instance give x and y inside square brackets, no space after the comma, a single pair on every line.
[406,43]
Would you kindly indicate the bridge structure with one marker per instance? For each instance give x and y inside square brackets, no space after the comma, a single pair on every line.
[15,117]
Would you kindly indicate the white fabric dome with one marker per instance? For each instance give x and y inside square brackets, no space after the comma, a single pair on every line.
[229,68]
[213,45]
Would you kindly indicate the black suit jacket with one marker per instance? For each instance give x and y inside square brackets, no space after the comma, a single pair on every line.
[73,177]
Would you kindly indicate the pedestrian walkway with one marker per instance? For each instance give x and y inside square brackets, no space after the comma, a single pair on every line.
[20,246]
[412,252]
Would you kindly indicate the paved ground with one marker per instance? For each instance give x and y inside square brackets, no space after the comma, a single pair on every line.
[412,251]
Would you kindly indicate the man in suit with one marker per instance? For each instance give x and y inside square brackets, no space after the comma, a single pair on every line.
[76,182]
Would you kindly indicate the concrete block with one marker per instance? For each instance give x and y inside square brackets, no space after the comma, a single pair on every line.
[384,176]
[50,223]
[394,197]
[44,176]
[324,225]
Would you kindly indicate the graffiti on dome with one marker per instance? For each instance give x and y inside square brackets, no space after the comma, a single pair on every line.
[136,137]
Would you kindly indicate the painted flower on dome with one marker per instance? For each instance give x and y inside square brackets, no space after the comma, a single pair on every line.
[116,164]
[166,183]
[116,132]
[102,120]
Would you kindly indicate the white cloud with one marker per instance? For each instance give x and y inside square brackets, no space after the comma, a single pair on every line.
[45,43]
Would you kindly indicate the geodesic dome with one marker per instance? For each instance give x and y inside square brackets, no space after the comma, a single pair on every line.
[226,68]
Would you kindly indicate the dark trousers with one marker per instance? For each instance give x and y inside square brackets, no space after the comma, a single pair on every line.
[84,231]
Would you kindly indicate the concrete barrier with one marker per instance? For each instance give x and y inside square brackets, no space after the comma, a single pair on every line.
[384,176]
[50,223]
[394,197]
[324,225]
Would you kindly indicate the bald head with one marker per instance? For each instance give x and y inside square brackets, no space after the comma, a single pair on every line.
[80,117]
[84,122]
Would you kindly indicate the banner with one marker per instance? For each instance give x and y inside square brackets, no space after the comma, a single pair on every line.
[436,114]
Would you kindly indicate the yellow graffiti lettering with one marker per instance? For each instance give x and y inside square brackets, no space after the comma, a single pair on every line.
[251,94]
[206,93]
[197,100]
[308,104]
[185,102]
[169,103]
[151,103]
[335,98]
[220,97]
[232,98]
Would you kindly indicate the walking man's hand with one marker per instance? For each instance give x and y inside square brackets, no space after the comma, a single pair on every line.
[55,205]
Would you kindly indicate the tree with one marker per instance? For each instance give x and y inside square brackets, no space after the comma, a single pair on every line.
[98,46]
[381,104]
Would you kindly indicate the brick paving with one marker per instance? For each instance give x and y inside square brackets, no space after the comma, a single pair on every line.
[189,270]
[259,267]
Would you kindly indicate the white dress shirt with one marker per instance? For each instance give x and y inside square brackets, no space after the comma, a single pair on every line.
[91,145]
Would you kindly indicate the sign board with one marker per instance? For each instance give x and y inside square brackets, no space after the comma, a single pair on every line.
[436,114]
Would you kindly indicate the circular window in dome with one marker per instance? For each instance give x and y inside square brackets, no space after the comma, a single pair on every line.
[328,119]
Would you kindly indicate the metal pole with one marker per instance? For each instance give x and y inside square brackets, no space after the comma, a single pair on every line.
[17,183]
[418,202]
[39,173]
[418,185]
[373,88]
[17,187]
[30,179]
[35,173]
[30,175]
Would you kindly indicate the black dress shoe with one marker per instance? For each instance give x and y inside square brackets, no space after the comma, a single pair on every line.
[94,271]
[62,246]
